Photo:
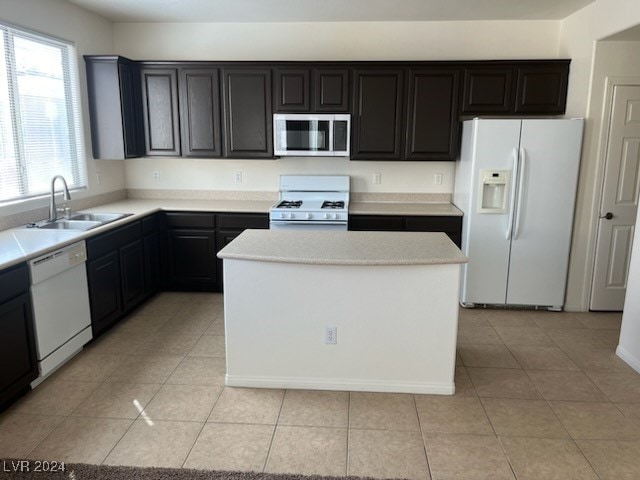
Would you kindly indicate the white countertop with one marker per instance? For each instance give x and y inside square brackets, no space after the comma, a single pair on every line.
[343,248]
[21,244]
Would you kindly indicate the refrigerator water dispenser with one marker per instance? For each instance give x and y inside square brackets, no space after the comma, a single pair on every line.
[494,191]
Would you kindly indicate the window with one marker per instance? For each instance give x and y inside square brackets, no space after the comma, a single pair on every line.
[40,125]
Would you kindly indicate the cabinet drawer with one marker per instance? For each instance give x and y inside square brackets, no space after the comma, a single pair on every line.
[242,221]
[433,224]
[190,220]
[14,281]
[376,223]
[108,242]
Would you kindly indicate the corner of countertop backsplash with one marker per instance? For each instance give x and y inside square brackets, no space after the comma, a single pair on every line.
[400,197]
[37,214]
[149,194]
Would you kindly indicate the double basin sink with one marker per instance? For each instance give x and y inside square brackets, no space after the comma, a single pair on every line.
[81,221]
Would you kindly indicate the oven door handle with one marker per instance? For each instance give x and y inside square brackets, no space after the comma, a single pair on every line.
[303,222]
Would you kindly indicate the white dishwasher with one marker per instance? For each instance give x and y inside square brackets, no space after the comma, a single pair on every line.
[60,306]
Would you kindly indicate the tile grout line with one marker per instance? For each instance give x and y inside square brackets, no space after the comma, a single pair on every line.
[422,436]
[273,435]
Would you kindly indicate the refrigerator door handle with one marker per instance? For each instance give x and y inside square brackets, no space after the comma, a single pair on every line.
[521,175]
[512,202]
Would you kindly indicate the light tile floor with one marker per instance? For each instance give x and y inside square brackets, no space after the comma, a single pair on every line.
[540,395]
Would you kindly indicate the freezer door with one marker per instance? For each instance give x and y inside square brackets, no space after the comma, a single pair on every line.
[490,144]
[550,156]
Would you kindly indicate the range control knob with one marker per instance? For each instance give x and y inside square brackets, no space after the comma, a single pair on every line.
[308,216]
[283,215]
[335,216]
[326,216]
[291,215]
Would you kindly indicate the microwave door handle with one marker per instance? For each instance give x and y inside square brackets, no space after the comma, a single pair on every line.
[512,200]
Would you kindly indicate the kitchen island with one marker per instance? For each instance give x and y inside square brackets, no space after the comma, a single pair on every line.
[389,301]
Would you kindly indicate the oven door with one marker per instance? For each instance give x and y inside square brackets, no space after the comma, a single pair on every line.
[297,225]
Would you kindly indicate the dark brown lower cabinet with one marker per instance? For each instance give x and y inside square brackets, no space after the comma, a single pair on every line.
[17,340]
[451,225]
[117,275]
[191,260]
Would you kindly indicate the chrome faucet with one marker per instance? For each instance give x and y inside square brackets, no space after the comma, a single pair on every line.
[53,211]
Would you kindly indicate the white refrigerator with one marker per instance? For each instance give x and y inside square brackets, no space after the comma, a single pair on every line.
[516,184]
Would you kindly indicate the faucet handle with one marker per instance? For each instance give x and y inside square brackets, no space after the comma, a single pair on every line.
[64,211]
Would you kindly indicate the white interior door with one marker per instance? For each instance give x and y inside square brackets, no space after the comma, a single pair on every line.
[619,201]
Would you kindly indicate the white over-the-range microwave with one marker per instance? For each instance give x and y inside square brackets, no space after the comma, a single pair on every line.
[311,134]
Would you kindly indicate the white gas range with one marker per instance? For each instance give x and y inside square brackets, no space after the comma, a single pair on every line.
[311,202]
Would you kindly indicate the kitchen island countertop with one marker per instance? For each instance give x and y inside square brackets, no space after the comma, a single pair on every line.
[344,248]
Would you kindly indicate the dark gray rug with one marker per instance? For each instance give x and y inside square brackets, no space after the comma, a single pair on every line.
[31,470]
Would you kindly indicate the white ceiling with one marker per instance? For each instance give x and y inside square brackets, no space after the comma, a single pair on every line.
[329,10]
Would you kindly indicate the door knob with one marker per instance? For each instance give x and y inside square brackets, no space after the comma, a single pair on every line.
[607,215]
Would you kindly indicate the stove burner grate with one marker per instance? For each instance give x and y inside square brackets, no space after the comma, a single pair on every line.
[336,204]
[289,204]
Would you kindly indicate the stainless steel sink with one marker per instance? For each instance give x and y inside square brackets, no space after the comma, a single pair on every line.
[63,224]
[98,217]
[80,221]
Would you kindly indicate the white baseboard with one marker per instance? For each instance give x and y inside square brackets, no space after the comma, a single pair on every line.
[629,359]
[338,385]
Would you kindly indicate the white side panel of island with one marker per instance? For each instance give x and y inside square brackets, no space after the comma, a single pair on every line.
[396,326]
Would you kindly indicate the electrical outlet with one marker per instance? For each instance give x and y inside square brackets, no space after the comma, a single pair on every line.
[156,175]
[98,178]
[331,335]
[238,177]
[377,178]
[437,179]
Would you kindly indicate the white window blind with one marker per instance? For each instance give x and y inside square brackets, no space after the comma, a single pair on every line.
[40,124]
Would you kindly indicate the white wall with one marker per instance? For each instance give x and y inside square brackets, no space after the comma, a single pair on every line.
[321,41]
[92,35]
[592,62]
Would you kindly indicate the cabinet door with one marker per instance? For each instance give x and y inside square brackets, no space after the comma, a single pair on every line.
[17,347]
[191,259]
[152,267]
[105,296]
[160,111]
[451,225]
[331,89]
[487,90]
[115,107]
[132,274]
[542,88]
[292,90]
[432,124]
[248,122]
[377,119]
[200,112]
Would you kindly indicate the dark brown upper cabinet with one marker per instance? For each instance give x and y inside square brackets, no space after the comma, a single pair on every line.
[248,121]
[432,124]
[200,112]
[542,88]
[331,89]
[312,90]
[160,111]
[488,90]
[376,127]
[115,107]
[292,90]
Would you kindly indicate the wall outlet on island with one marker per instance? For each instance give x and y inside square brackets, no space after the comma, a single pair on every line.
[331,335]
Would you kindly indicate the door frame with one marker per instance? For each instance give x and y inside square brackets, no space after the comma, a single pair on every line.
[598,187]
